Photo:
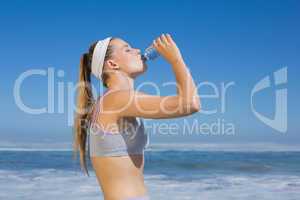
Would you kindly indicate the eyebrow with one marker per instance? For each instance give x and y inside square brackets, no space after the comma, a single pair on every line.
[126,45]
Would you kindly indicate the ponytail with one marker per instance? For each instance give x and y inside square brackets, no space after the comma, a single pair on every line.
[85,102]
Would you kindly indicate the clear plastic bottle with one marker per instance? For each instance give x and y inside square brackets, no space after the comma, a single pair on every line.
[150,53]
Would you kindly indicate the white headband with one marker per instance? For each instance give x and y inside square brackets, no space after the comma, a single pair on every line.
[98,57]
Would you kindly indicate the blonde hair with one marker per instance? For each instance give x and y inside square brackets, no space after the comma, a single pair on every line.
[85,103]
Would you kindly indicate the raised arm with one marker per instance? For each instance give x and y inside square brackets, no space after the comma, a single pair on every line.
[186,88]
[139,104]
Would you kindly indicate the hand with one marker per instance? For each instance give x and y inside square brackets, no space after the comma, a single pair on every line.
[167,48]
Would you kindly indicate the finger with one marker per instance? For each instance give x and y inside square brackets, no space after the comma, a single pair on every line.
[159,42]
[164,39]
[169,38]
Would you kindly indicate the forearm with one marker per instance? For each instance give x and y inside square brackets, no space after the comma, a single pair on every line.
[186,87]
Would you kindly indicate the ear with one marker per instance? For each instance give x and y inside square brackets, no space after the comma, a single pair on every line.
[111,64]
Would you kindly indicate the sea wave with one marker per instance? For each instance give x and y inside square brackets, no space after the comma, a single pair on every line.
[61,184]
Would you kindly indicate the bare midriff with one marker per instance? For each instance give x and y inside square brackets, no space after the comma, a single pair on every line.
[120,177]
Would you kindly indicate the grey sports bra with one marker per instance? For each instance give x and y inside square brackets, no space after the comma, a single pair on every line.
[103,143]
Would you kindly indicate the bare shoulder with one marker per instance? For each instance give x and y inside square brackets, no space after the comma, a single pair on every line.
[120,100]
[112,98]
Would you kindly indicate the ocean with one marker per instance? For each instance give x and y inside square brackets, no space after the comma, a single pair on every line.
[170,173]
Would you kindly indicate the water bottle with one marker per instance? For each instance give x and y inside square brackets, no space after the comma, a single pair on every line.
[150,54]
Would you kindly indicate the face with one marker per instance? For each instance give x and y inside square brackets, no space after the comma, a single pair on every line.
[126,58]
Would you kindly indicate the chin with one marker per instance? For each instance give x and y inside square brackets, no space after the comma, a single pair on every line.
[140,71]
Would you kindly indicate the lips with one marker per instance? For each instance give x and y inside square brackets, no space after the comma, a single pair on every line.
[143,58]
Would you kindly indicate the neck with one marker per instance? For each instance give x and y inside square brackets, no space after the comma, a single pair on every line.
[120,82]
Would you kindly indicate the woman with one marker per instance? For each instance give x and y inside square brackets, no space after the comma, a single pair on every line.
[117,155]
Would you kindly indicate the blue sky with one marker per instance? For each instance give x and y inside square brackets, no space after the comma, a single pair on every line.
[221,41]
